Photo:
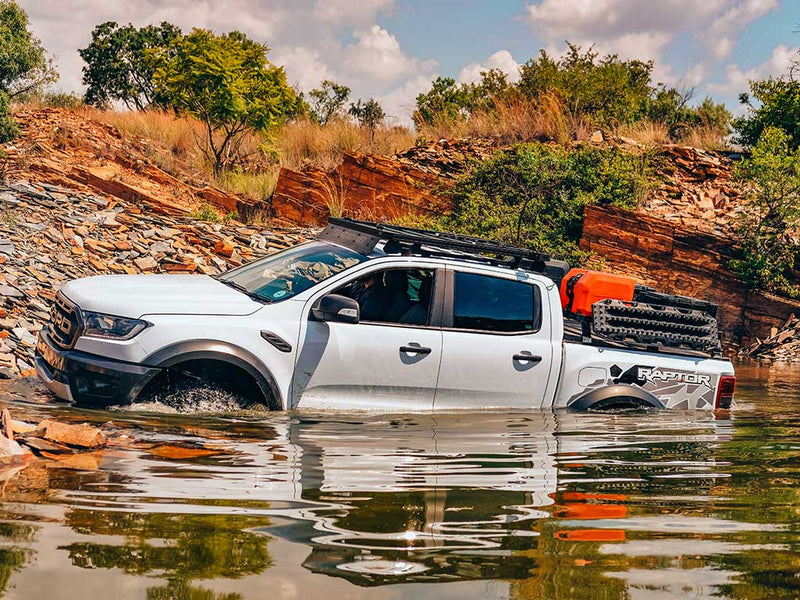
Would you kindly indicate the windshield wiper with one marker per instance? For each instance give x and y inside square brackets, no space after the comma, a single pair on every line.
[240,288]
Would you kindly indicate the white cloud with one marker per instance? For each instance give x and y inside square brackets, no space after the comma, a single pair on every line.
[737,79]
[720,35]
[606,20]
[356,14]
[644,29]
[377,55]
[304,67]
[501,60]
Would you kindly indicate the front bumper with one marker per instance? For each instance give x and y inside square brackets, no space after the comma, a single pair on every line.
[86,378]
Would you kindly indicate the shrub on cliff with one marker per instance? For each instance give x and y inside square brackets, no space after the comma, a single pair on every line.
[227,83]
[768,226]
[328,101]
[608,88]
[773,102]
[534,194]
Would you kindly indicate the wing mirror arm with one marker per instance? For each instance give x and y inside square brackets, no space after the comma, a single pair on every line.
[337,309]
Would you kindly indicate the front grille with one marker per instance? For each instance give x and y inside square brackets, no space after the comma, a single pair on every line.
[65,321]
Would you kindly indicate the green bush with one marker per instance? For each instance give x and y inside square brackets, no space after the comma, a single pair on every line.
[534,194]
[121,62]
[670,106]
[610,89]
[770,178]
[8,125]
[448,101]
[777,104]
[62,100]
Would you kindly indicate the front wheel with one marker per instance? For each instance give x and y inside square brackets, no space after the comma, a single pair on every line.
[201,388]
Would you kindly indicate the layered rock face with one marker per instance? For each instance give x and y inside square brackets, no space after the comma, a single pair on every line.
[377,188]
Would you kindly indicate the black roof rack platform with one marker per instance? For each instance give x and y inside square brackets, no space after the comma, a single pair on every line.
[363,236]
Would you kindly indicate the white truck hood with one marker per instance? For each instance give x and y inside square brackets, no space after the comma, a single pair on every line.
[137,295]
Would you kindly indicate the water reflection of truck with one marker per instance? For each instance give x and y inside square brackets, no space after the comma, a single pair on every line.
[433,499]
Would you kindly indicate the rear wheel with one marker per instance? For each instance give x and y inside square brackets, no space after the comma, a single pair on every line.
[617,398]
[619,404]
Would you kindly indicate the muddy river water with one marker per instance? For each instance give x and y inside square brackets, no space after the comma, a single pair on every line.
[464,505]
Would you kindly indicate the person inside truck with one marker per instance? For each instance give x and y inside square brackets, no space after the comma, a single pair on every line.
[373,297]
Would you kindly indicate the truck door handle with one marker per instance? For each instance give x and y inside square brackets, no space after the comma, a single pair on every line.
[414,348]
[528,357]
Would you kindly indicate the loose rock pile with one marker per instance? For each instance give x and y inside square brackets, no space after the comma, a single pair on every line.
[783,345]
[50,235]
[696,191]
[448,158]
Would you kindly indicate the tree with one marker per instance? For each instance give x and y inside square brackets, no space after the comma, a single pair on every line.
[445,101]
[368,114]
[227,82]
[121,63]
[610,89]
[771,216]
[24,65]
[328,101]
[777,105]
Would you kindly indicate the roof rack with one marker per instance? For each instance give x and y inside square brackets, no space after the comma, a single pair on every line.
[363,236]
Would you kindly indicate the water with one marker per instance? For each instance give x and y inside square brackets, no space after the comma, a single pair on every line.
[524,505]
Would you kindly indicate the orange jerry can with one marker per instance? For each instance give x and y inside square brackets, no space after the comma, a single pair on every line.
[581,288]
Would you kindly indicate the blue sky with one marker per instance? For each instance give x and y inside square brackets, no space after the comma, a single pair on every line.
[392,49]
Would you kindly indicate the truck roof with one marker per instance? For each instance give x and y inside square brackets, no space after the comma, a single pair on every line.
[378,239]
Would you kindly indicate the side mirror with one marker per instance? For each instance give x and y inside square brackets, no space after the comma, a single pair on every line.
[336,308]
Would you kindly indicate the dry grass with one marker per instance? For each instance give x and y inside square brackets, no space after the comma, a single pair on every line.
[707,138]
[307,143]
[258,185]
[516,119]
[335,194]
[648,133]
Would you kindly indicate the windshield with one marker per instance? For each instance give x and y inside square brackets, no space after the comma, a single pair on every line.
[286,274]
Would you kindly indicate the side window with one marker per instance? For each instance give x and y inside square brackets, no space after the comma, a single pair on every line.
[393,295]
[486,303]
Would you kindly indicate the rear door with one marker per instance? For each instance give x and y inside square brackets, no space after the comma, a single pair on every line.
[497,348]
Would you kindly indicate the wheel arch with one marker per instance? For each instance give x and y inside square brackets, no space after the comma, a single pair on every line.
[604,395]
[181,352]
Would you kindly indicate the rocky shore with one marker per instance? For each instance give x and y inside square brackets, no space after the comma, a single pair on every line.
[50,234]
[782,345]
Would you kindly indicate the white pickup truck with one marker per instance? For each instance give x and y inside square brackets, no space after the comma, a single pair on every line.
[370,317]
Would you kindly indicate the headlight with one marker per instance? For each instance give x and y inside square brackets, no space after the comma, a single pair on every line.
[115,328]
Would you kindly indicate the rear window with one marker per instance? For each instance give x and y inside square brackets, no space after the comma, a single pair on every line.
[485,303]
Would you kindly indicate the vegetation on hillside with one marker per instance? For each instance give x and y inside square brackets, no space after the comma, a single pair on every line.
[227,83]
[768,226]
[564,99]
[215,106]
[534,194]
[121,63]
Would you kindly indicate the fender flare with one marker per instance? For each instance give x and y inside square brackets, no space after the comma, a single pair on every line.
[224,352]
[597,397]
